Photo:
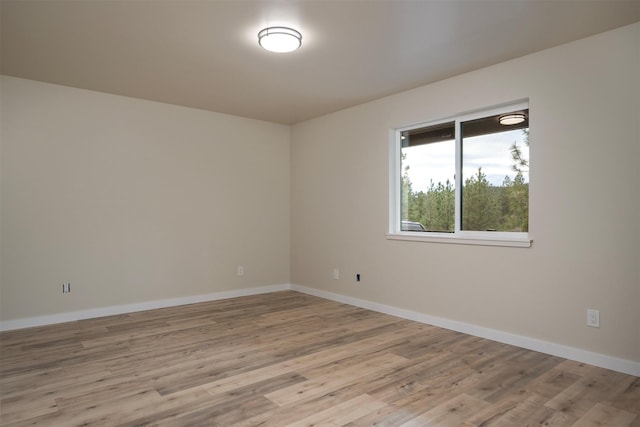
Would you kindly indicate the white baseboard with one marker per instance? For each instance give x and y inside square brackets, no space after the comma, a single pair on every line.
[71,316]
[579,355]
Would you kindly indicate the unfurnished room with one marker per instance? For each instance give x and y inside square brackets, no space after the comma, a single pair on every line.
[320,213]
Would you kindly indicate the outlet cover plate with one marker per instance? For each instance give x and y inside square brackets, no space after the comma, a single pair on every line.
[593,318]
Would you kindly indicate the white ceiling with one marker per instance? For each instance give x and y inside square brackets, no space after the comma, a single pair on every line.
[204,54]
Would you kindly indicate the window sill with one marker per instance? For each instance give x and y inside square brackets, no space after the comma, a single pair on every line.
[517,242]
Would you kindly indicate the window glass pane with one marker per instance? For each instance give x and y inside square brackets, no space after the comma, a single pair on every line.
[495,175]
[428,176]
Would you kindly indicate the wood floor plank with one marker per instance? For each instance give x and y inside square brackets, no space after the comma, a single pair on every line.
[549,384]
[59,384]
[451,413]
[287,358]
[629,398]
[13,409]
[266,372]
[342,413]
[285,415]
[333,377]
[307,361]
[600,415]
[222,409]
[596,386]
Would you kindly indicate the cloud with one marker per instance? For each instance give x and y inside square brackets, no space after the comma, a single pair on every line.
[436,161]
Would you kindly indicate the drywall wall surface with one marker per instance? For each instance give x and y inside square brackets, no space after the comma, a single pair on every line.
[584,202]
[133,201]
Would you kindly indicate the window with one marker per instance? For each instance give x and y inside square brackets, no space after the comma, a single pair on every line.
[463,180]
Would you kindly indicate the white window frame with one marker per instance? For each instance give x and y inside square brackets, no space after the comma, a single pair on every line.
[486,238]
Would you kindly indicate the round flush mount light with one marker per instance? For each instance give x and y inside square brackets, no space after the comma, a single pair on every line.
[512,119]
[279,39]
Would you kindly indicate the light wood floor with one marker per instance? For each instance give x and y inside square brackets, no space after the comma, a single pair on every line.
[289,359]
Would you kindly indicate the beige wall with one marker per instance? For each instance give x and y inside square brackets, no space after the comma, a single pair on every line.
[585,202]
[134,201]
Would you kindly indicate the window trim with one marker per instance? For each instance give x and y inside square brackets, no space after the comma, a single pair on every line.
[466,237]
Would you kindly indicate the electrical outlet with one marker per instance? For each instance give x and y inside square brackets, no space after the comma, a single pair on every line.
[240,270]
[336,274]
[593,318]
[66,288]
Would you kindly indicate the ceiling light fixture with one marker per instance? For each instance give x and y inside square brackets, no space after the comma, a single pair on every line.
[512,119]
[279,39]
